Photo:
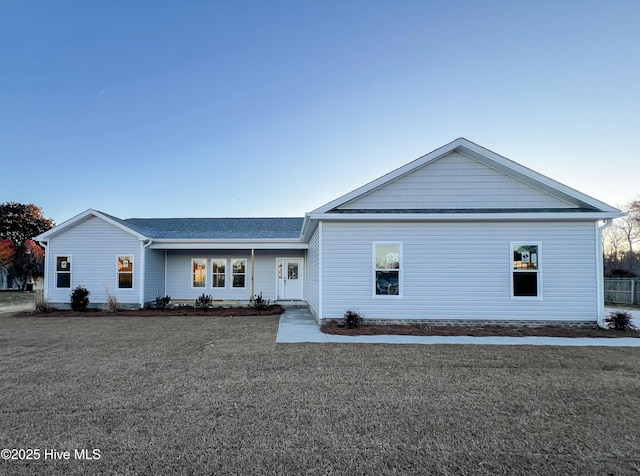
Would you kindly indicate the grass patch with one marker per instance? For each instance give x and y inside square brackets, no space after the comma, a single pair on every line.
[213,395]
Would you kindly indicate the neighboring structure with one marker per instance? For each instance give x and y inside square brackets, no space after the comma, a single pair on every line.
[460,234]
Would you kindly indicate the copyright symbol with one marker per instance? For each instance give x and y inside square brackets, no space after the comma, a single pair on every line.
[5,453]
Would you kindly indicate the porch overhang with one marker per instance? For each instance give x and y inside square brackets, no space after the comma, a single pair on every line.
[195,244]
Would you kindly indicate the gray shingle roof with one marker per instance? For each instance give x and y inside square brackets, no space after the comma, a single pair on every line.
[217,228]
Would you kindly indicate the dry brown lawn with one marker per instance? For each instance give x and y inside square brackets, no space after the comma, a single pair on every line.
[216,395]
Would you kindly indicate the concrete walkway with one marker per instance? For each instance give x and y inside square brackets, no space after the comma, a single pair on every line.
[298,325]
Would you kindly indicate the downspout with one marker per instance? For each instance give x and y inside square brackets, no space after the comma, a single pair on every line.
[320,311]
[600,271]
[142,268]
[45,275]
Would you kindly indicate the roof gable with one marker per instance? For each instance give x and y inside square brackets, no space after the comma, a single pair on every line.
[456,181]
[84,216]
[463,176]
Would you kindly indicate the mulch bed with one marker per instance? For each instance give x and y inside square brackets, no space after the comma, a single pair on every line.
[273,310]
[479,331]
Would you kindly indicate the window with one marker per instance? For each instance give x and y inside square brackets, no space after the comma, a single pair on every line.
[238,270]
[125,272]
[387,269]
[199,273]
[63,271]
[218,267]
[525,275]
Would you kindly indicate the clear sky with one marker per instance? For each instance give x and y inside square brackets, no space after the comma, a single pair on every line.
[274,108]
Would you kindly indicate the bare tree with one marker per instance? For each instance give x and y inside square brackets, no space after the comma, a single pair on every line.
[622,240]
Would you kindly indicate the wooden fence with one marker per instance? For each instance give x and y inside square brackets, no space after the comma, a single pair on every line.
[622,290]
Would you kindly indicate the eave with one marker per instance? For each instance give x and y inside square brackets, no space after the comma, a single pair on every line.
[484,216]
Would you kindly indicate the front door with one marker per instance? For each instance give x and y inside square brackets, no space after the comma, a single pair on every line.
[290,278]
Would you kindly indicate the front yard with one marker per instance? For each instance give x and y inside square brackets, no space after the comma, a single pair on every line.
[215,395]
[15,298]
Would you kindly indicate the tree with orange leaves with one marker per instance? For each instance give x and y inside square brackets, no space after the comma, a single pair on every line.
[19,254]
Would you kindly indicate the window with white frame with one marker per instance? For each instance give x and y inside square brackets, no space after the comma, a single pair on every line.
[387,272]
[63,271]
[525,273]
[125,272]
[199,273]
[218,270]
[238,273]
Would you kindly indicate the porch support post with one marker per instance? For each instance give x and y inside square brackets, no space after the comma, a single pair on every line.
[253,267]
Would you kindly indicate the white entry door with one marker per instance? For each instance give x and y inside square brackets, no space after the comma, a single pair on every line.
[290,278]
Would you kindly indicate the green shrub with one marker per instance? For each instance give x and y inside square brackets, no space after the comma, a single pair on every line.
[619,321]
[163,302]
[258,303]
[204,302]
[352,319]
[80,298]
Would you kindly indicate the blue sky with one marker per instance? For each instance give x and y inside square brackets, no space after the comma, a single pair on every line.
[273,108]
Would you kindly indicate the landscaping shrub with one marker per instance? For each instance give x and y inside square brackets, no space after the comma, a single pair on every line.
[619,321]
[258,303]
[204,301]
[112,304]
[80,299]
[163,302]
[352,319]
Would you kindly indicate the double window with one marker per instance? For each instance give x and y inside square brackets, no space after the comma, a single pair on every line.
[238,272]
[525,273]
[235,267]
[63,271]
[387,269]
[199,273]
[219,267]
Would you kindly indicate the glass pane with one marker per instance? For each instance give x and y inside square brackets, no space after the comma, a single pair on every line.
[63,280]
[292,270]
[63,264]
[238,280]
[218,280]
[387,283]
[525,284]
[525,257]
[125,280]
[124,263]
[219,265]
[238,265]
[387,256]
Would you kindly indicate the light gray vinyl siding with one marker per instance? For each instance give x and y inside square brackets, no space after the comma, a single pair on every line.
[459,270]
[154,275]
[179,273]
[456,181]
[94,246]
[313,273]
